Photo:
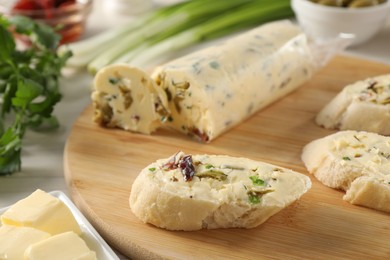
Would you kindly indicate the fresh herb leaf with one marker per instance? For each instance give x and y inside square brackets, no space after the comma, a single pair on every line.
[152,169]
[208,166]
[27,91]
[7,44]
[40,33]
[346,158]
[29,87]
[257,181]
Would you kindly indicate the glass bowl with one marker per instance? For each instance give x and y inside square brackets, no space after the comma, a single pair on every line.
[69,20]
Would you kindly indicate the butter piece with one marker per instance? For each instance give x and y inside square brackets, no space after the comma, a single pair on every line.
[42,211]
[15,240]
[65,246]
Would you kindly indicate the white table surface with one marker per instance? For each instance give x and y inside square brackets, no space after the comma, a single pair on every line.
[43,152]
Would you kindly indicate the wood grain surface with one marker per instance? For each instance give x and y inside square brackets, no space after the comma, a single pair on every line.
[101,164]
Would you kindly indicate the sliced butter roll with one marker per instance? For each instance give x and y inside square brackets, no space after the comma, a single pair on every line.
[354,161]
[128,98]
[191,192]
[214,89]
[364,105]
[206,93]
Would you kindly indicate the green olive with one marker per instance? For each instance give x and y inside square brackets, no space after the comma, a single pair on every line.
[345,3]
[330,2]
[362,3]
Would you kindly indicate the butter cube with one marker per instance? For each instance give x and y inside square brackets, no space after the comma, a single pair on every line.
[65,246]
[42,211]
[15,240]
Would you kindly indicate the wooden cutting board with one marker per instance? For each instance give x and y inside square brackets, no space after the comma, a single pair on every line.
[101,165]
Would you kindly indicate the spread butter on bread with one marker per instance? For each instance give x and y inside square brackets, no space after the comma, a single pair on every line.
[192,192]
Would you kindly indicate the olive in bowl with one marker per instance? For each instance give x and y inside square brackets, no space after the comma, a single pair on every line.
[326,19]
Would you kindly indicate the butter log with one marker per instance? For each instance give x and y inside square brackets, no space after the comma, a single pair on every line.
[210,91]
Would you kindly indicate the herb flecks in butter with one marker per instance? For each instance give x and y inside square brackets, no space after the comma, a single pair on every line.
[182,85]
[114,81]
[257,181]
[255,195]
[214,65]
[375,93]
[218,175]
[126,94]
[232,167]
[208,166]
[254,198]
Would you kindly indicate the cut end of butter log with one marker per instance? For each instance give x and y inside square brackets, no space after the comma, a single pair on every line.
[42,211]
[357,162]
[191,192]
[362,106]
[128,98]
[63,246]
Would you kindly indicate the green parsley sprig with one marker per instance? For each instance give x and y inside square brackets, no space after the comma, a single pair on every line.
[29,84]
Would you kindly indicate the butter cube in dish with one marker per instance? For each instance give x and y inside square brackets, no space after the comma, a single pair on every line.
[63,246]
[42,211]
[15,240]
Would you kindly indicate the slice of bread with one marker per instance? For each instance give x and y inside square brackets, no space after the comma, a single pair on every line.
[357,162]
[191,192]
[363,106]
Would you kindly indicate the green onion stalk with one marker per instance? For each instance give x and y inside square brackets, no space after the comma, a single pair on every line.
[173,28]
[252,14]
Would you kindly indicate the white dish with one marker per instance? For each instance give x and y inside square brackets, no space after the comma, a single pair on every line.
[328,22]
[94,241]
